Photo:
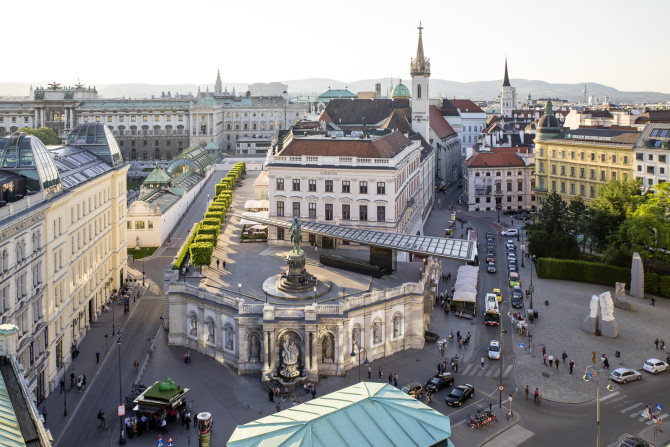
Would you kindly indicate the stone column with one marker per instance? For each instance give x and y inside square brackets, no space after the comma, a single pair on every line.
[42,123]
[266,351]
[72,123]
[65,113]
[311,363]
[341,346]
[35,119]
[388,331]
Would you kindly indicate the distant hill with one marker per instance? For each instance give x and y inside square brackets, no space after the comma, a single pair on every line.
[481,90]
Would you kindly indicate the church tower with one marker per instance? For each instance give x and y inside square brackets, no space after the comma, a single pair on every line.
[507,96]
[420,71]
[585,96]
[218,85]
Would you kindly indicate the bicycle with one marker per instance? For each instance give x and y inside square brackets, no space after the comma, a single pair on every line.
[537,400]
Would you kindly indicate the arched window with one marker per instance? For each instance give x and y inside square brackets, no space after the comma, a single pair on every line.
[157,155]
[133,155]
[228,337]
[418,91]
[193,325]
[397,325]
[5,261]
[377,331]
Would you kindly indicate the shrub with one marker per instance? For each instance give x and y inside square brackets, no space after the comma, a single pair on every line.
[209,229]
[582,271]
[212,215]
[211,221]
[181,257]
[201,253]
[205,238]
[218,188]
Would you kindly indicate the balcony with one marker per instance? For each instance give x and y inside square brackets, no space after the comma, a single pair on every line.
[540,189]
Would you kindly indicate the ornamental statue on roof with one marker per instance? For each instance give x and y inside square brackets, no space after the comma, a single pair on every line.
[54,86]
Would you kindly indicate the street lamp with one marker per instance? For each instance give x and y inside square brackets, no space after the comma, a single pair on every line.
[122,428]
[64,396]
[142,272]
[353,354]
[502,334]
[239,290]
[589,374]
[531,289]
[314,293]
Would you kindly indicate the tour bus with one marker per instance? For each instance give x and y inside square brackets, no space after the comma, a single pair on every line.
[492,314]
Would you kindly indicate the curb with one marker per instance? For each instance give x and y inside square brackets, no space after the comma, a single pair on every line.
[490,438]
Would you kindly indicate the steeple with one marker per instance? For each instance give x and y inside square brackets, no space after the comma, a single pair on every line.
[506,80]
[218,85]
[420,65]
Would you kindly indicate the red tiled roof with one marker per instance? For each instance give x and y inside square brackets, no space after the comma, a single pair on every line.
[387,146]
[439,125]
[513,150]
[465,105]
[495,160]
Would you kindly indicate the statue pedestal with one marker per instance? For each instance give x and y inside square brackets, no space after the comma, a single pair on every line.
[296,263]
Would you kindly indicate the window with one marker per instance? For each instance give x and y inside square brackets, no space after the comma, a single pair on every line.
[650,157]
[418,91]
[363,212]
[581,172]
[614,175]
[602,176]
[280,208]
[129,225]
[593,174]
[581,190]
[280,184]
[593,156]
[572,171]
[613,158]
[509,186]
[563,187]
[661,158]
[280,234]
[519,185]
[363,187]
[553,169]
[381,188]
[553,186]
[541,166]
[625,159]
[541,152]
[139,225]
[346,186]
[562,170]
[572,188]
[312,210]
[602,158]
[329,211]
[639,156]
[572,155]
[346,212]
[329,186]
[311,186]
[592,192]
[296,209]
[381,214]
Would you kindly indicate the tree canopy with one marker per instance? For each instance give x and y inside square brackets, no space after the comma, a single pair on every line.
[47,135]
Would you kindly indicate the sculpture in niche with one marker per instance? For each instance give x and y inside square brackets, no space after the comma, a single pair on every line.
[355,338]
[290,355]
[210,331]
[254,348]
[328,347]
[396,326]
[193,326]
[377,332]
[228,332]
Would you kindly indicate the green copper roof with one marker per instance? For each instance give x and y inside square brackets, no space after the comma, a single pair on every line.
[158,175]
[360,415]
[10,432]
[212,146]
[400,91]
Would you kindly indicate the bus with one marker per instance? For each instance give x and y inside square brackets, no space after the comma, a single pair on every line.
[492,314]
[472,236]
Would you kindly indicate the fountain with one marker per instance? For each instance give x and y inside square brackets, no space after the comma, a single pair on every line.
[289,372]
[295,283]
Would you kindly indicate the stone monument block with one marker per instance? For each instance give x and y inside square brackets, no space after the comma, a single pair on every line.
[590,323]
[637,277]
[621,299]
[609,327]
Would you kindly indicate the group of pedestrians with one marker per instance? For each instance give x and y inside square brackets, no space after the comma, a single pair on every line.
[536,395]
[550,361]
[660,344]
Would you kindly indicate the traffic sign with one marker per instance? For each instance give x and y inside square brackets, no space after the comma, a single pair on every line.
[522,345]
[121,410]
[170,442]
[659,407]
[159,443]
[501,387]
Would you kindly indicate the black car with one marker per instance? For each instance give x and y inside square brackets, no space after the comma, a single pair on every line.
[633,441]
[439,381]
[414,389]
[460,394]
[517,301]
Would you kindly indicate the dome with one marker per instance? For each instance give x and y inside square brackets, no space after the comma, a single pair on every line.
[548,121]
[548,125]
[400,91]
[97,139]
[26,155]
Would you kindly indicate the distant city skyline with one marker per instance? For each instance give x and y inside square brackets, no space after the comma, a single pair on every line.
[615,44]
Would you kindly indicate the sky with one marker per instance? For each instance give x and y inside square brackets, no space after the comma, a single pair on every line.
[623,44]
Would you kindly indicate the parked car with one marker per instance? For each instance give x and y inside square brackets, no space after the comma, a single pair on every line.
[510,232]
[490,259]
[512,268]
[514,279]
[490,235]
[625,375]
[460,394]
[439,381]
[517,301]
[491,268]
[655,366]
[632,441]
[498,294]
[414,389]
[494,350]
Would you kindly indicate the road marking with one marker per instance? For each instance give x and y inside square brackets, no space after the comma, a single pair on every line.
[466,371]
[507,370]
[491,371]
[512,437]
[627,409]
[609,396]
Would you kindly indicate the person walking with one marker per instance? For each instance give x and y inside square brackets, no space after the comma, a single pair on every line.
[544,357]
[271,395]
[278,406]
[390,378]
[369,371]
[217,264]
[313,391]
[662,345]
[656,342]
[380,374]
[224,264]
[44,412]
[551,360]
[556,360]
[536,396]
[544,350]
[564,356]
[62,385]
[395,380]
[606,363]
[571,365]
[653,301]
[482,360]
[97,358]
[527,392]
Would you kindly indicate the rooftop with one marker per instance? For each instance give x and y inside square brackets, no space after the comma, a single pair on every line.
[361,111]
[607,135]
[362,414]
[386,146]
[439,125]
[460,106]
[495,160]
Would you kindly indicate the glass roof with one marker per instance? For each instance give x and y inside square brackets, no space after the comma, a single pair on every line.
[27,156]
[429,245]
[98,139]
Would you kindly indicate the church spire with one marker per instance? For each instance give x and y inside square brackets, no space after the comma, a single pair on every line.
[506,80]
[218,85]
[420,65]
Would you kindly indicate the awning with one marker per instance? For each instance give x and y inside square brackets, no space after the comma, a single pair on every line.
[257,205]
[257,214]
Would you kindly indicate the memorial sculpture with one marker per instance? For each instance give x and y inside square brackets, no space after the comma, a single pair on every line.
[601,319]
[590,323]
[637,277]
[621,298]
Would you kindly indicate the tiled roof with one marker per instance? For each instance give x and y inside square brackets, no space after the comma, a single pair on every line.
[654,116]
[387,146]
[358,111]
[495,160]
[439,125]
[399,120]
[461,105]
[513,150]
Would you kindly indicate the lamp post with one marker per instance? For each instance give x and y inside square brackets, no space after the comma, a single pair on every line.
[366,362]
[531,289]
[64,397]
[239,290]
[502,334]
[122,428]
[142,272]
[589,374]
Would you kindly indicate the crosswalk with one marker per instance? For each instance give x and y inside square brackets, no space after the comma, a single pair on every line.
[490,370]
[633,410]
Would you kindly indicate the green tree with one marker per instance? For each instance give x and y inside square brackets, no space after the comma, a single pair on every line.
[201,253]
[47,135]
[552,214]
[576,216]
[618,198]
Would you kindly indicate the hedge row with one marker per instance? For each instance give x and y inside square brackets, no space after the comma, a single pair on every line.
[179,262]
[598,273]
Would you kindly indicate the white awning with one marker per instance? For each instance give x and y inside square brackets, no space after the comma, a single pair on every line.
[258,215]
[257,205]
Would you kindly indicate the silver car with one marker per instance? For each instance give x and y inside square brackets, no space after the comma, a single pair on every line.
[625,375]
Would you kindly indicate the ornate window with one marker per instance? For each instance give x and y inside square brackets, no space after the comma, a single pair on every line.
[254,347]
[418,91]
[210,331]
[377,331]
[228,337]
[356,337]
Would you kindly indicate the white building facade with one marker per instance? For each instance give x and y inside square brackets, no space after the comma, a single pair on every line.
[652,155]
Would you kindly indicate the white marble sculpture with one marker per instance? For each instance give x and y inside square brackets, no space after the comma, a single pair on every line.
[637,277]
[608,325]
[621,298]
[590,323]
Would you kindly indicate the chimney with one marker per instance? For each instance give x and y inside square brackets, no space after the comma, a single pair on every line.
[378,90]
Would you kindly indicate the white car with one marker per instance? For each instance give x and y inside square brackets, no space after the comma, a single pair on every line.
[625,375]
[655,366]
[510,232]
[494,350]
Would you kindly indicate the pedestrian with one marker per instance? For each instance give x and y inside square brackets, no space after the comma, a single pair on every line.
[187,420]
[72,376]
[380,374]
[224,264]
[458,335]
[217,263]
[482,360]
[571,365]
[429,396]
[602,359]
[62,385]
[606,363]
[278,406]
[536,396]
[467,337]
[662,343]
[653,301]
[527,392]
[44,412]
[313,391]
[544,358]
[101,418]
[271,395]
[551,360]
[97,357]
[564,356]
[395,380]
[556,362]
[656,342]
[390,378]
[369,371]
[163,425]
[544,350]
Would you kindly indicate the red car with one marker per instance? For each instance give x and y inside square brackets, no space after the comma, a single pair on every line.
[490,259]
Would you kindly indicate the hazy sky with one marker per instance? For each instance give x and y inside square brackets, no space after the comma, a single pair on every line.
[621,43]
